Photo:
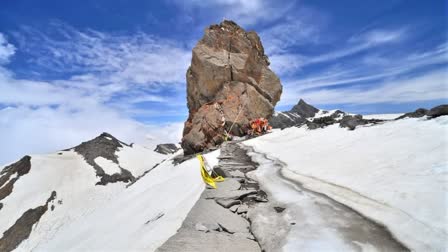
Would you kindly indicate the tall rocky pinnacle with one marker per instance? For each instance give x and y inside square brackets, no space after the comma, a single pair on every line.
[229,83]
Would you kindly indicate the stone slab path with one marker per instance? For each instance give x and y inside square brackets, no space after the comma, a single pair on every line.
[276,215]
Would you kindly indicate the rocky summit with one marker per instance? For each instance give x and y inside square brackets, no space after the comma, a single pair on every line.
[229,83]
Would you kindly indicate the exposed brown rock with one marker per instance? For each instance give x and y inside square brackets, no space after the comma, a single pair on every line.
[23,226]
[228,81]
[19,168]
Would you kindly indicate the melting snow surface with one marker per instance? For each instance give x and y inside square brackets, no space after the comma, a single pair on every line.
[395,173]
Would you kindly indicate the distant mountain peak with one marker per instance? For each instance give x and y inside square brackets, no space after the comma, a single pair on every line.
[105,146]
[304,109]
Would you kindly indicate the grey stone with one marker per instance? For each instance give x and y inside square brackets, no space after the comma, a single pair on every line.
[210,214]
[227,203]
[201,227]
[232,208]
[167,148]
[196,241]
[242,209]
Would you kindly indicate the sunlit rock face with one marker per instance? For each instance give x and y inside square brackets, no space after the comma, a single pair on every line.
[228,83]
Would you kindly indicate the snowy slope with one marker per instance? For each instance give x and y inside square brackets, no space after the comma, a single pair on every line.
[395,173]
[85,216]
[382,116]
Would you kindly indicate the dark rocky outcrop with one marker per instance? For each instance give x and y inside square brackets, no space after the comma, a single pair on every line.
[104,146]
[437,111]
[23,226]
[229,83]
[321,122]
[20,168]
[416,114]
[352,121]
[166,148]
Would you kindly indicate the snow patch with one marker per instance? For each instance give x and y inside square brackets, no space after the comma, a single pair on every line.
[107,165]
[138,159]
[382,116]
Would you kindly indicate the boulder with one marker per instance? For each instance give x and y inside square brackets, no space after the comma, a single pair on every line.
[166,148]
[229,83]
[352,121]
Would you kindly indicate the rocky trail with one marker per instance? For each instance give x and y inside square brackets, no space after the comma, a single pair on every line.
[218,221]
[241,215]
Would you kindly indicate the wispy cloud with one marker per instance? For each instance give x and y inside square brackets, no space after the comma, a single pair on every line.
[404,77]
[286,62]
[7,50]
[138,58]
[430,86]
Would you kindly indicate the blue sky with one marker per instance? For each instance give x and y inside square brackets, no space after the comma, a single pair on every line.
[72,69]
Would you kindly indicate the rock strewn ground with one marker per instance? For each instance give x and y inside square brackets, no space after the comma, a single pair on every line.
[218,221]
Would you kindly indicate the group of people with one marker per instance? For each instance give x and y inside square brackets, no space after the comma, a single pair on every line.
[259,126]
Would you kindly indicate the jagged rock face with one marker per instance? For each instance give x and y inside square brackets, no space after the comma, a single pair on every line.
[166,148]
[304,109]
[296,116]
[228,83]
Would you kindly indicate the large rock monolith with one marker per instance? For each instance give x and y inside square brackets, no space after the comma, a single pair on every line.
[229,83]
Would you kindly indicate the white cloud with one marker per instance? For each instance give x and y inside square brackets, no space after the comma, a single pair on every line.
[104,77]
[44,129]
[7,50]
